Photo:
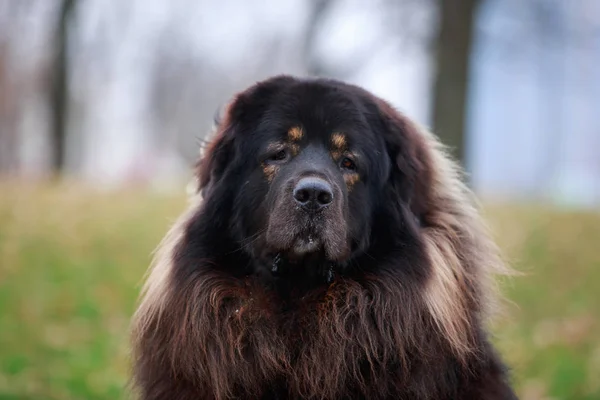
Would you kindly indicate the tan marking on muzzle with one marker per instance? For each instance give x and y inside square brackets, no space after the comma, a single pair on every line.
[351,179]
[270,171]
[295,149]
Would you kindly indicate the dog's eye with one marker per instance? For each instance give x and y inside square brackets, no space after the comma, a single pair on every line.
[279,156]
[348,164]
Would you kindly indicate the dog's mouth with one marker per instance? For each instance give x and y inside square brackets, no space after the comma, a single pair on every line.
[290,264]
[299,238]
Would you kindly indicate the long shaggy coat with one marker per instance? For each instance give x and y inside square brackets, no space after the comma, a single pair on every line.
[391,304]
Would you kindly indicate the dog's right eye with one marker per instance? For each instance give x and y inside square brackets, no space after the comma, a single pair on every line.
[281,155]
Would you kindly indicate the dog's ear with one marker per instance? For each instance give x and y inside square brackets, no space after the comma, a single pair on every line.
[217,155]
[411,177]
[427,183]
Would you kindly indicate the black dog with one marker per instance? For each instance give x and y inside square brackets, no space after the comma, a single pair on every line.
[332,253]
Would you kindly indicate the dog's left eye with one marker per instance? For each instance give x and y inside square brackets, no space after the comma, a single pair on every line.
[281,155]
[348,164]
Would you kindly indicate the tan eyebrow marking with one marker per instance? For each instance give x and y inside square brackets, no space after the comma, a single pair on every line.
[295,134]
[338,141]
[338,144]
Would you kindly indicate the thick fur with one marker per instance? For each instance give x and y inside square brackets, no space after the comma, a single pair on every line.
[401,313]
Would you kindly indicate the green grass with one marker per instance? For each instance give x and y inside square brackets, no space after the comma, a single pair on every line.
[72,260]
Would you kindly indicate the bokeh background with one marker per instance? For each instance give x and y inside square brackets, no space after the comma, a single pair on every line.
[103,105]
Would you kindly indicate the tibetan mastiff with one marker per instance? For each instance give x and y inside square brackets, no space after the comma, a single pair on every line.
[331,252]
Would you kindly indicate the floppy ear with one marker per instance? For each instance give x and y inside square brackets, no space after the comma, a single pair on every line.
[410,179]
[215,158]
[461,254]
[243,112]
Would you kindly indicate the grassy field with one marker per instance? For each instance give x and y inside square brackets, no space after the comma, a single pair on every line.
[71,263]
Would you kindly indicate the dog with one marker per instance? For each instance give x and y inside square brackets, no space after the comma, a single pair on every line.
[331,251]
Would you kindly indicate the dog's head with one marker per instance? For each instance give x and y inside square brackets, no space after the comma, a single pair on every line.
[305,168]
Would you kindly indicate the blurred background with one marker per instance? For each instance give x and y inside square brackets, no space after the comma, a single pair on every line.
[104,103]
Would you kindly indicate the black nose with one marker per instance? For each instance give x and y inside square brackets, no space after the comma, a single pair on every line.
[313,193]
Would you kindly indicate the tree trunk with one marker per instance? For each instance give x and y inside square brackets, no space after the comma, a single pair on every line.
[8,111]
[454,39]
[59,92]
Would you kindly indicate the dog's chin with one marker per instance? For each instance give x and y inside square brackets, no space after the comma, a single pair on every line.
[306,245]
[310,246]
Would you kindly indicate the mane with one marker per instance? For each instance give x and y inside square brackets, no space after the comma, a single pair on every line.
[212,330]
[462,289]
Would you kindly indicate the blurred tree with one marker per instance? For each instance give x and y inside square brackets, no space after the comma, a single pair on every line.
[451,80]
[10,14]
[182,98]
[319,16]
[8,99]
[59,91]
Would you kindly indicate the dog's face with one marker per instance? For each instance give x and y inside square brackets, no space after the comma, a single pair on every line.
[306,163]
[314,183]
